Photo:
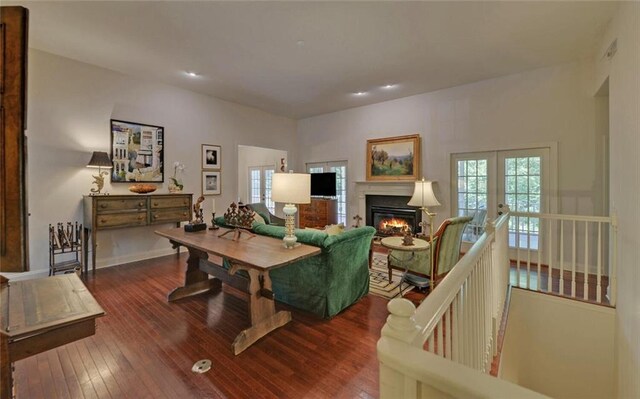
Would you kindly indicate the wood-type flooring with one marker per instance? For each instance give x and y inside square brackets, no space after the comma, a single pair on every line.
[145,347]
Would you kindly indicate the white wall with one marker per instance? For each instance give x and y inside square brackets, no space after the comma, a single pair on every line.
[69,108]
[559,347]
[548,105]
[249,156]
[624,127]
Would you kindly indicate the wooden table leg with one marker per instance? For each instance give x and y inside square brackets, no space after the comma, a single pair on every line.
[264,317]
[195,281]
[85,250]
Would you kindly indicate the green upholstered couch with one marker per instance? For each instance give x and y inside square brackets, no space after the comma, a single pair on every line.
[327,283]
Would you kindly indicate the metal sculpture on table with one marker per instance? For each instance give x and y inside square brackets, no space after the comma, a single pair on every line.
[241,218]
[197,224]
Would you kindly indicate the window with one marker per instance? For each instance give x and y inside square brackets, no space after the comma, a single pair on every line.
[340,169]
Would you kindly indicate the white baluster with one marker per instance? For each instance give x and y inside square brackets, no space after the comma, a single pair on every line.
[449,333]
[586,261]
[573,261]
[440,338]
[466,315]
[561,257]
[612,291]
[599,266]
[518,251]
[528,254]
[455,330]
[539,276]
[550,265]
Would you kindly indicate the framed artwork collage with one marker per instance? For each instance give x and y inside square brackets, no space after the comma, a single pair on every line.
[211,174]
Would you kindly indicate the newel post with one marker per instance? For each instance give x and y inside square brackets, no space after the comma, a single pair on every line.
[401,322]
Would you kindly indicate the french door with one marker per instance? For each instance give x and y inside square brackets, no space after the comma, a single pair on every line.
[518,178]
[340,169]
[260,178]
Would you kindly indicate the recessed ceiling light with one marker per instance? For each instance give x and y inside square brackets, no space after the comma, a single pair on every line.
[192,74]
[360,93]
[389,86]
[300,43]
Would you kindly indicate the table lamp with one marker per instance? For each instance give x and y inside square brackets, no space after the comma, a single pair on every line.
[423,197]
[99,159]
[291,188]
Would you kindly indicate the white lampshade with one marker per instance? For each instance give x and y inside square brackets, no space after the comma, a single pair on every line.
[423,195]
[291,188]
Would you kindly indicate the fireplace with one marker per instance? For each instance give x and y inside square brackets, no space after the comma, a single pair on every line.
[390,215]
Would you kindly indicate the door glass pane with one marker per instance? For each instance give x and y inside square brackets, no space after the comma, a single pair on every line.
[341,191]
[254,185]
[522,194]
[472,195]
[268,178]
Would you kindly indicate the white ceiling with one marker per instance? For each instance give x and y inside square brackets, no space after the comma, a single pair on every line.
[249,52]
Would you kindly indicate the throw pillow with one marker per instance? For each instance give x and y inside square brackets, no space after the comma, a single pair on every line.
[258,219]
[334,229]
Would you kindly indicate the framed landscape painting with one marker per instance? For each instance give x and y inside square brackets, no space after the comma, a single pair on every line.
[211,183]
[394,158]
[137,152]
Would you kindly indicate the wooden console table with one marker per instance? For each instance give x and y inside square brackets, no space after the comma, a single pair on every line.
[256,255]
[41,314]
[103,212]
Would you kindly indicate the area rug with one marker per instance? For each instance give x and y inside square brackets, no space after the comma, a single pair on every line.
[379,279]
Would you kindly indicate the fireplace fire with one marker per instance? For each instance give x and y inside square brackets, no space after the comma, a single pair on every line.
[393,226]
[390,215]
[393,221]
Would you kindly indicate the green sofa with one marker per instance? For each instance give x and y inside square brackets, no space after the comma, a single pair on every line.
[327,283]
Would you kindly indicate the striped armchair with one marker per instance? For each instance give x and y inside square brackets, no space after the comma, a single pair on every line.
[446,252]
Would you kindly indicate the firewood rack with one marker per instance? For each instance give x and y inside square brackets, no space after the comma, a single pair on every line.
[65,248]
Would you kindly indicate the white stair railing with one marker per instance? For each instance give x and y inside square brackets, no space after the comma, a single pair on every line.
[424,351]
[566,255]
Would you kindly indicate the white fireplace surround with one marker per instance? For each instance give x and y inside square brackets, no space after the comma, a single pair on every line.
[394,188]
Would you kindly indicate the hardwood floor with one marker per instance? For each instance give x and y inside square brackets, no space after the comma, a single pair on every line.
[145,347]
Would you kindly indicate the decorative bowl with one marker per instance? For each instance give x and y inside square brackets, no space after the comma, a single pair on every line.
[142,188]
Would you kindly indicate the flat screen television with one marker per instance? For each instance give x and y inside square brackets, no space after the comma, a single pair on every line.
[323,184]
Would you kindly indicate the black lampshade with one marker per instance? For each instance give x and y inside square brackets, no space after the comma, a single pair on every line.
[100,159]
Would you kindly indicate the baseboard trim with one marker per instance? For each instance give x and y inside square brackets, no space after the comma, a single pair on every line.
[121,260]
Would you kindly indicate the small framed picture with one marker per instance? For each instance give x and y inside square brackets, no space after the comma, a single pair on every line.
[211,156]
[211,183]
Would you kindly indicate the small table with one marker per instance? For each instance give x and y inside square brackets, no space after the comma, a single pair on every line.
[396,243]
[41,314]
[256,255]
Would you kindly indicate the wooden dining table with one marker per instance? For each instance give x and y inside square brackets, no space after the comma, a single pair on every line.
[255,254]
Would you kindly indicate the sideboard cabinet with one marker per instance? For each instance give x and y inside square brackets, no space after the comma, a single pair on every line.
[319,213]
[103,212]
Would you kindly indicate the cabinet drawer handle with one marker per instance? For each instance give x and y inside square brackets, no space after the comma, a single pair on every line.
[140,217]
[184,213]
[155,216]
[103,205]
[103,220]
[185,202]
[155,204]
[140,204]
